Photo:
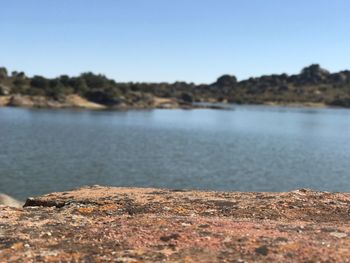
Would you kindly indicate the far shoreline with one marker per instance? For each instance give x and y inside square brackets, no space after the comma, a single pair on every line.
[78,103]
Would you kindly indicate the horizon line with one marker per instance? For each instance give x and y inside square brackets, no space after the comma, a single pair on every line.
[9,72]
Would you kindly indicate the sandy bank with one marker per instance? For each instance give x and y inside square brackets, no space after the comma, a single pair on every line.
[79,102]
[76,101]
[71,101]
[298,105]
[4,100]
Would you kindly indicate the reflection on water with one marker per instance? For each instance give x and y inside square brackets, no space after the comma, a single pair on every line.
[248,148]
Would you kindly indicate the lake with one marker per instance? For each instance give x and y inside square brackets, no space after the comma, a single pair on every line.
[245,148]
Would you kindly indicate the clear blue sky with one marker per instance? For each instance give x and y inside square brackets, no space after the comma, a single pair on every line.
[164,40]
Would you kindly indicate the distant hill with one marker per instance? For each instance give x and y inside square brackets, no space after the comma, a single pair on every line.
[313,85]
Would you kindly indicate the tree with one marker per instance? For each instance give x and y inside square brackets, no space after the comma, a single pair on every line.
[3,73]
[39,83]
[95,81]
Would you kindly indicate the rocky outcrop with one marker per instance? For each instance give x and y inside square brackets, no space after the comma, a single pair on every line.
[106,224]
[226,81]
[340,102]
[4,90]
[313,74]
[187,98]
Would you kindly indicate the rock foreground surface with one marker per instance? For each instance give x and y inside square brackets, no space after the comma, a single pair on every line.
[103,224]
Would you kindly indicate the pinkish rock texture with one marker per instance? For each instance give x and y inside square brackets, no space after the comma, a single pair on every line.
[105,224]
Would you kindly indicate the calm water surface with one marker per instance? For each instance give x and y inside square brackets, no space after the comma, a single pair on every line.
[250,148]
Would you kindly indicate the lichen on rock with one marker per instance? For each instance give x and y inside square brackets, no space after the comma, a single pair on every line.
[108,224]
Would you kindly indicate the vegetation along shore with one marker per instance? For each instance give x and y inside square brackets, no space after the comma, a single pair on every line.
[314,86]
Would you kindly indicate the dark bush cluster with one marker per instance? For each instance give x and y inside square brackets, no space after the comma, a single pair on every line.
[313,84]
